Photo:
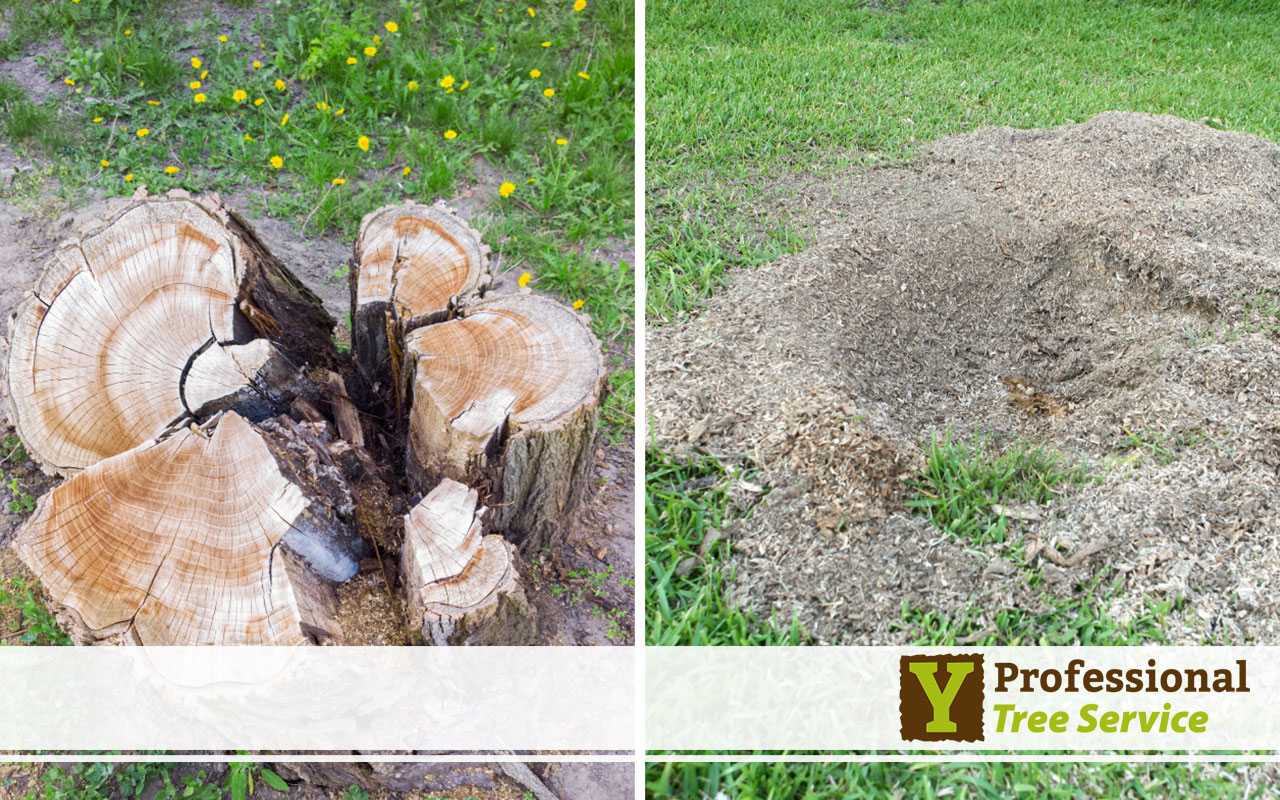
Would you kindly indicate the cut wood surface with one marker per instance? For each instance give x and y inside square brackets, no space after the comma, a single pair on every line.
[175,543]
[140,324]
[412,265]
[508,397]
[455,575]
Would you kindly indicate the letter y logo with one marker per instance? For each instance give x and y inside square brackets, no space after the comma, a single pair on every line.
[950,711]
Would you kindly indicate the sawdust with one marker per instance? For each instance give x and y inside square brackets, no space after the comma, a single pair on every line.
[1080,287]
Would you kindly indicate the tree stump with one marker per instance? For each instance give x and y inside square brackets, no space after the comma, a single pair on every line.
[457,578]
[413,265]
[507,398]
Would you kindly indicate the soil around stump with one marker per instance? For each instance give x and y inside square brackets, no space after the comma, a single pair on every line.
[1062,287]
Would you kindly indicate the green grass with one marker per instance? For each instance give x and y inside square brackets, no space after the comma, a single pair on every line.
[962,485]
[685,595]
[737,95]
[782,781]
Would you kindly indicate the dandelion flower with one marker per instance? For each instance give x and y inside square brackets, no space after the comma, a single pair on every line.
[577,304]
[584,76]
[446,91]
[153,102]
[277,162]
[68,82]
[322,106]
[105,163]
[524,279]
[239,95]
[371,51]
[340,112]
[200,98]
[377,39]
[505,190]
[193,85]
[535,73]
[546,44]
[530,180]
[446,81]
[129,177]
[222,38]
[170,170]
[204,74]
[392,27]
[279,84]
[407,170]
[464,85]
[143,132]
[562,142]
[363,143]
[284,120]
[97,119]
[257,65]
[260,101]
[195,63]
[579,5]
[351,59]
[451,134]
[128,31]
[548,92]
[79,89]
[248,138]
[413,86]
[531,12]
[338,181]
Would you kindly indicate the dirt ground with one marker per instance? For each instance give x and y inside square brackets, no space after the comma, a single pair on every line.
[569,610]
[1064,287]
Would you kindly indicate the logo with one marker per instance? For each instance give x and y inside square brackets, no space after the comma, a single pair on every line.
[940,698]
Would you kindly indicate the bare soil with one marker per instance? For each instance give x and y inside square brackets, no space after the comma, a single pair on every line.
[1066,287]
[32,223]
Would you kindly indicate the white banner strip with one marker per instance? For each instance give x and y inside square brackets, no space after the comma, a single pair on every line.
[317,698]
[1015,698]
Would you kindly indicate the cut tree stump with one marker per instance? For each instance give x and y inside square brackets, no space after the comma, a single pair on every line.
[457,578]
[150,320]
[507,398]
[190,541]
[413,265]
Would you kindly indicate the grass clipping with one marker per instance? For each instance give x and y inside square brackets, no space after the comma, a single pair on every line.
[1105,293]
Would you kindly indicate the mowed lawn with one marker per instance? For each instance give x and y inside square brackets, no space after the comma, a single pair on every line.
[739,94]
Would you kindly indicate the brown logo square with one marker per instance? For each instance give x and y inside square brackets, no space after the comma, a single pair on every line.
[940,698]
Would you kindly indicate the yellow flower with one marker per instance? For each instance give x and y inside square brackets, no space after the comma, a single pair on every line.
[195,62]
[579,5]
[128,31]
[97,119]
[584,76]
[505,190]
[377,39]
[193,85]
[257,65]
[200,98]
[446,81]
[351,59]
[371,51]
[546,44]
[363,143]
[204,74]
[322,106]
[407,170]
[248,138]
[277,162]
[535,73]
[153,102]
[222,38]
[143,131]
[524,279]
[577,304]
[338,181]
[284,120]
[129,177]
[392,27]
[413,86]
[239,95]
[79,89]
[170,170]
[260,101]
[531,12]
[68,82]
[340,112]
[562,142]
[548,92]
[446,91]
[279,84]
[464,85]
[105,163]
[451,134]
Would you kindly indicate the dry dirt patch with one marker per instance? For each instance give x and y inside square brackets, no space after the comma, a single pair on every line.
[1070,287]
